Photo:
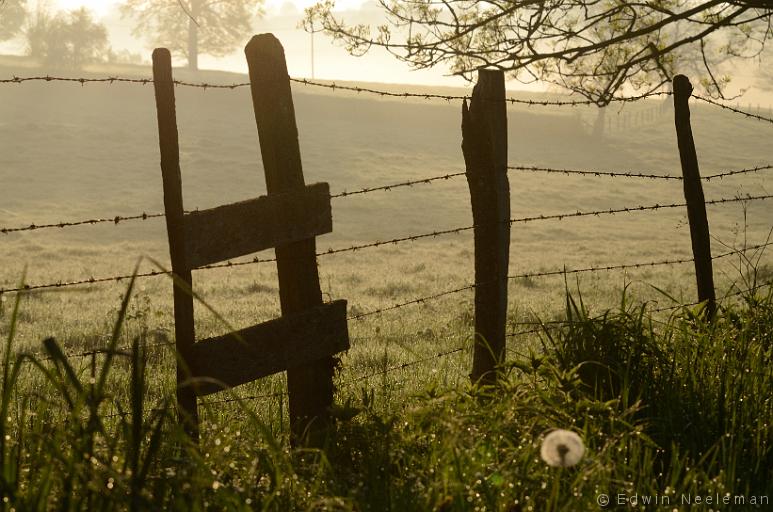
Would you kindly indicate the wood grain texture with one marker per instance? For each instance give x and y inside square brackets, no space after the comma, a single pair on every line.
[310,386]
[173,207]
[233,230]
[271,347]
[484,145]
[693,194]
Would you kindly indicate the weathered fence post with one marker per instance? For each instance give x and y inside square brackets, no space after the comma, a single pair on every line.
[173,205]
[693,194]
[310,386]
[484,144]
[288,218]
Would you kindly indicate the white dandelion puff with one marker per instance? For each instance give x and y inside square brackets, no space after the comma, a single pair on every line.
[562,448]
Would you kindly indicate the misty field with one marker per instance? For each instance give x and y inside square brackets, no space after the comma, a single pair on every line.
[420,438]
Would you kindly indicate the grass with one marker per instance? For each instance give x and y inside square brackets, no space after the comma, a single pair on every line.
[668,407]
[665,404]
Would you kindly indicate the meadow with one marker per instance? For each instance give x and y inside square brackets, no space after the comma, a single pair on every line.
[670,405]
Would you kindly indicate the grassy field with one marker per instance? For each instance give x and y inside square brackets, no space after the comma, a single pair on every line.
[422,440]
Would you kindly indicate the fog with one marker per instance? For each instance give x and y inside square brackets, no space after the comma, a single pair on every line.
[330,61]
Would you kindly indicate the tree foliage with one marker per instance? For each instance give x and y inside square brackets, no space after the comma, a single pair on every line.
[594,47]
[66,40]
[190,27]
[12,16]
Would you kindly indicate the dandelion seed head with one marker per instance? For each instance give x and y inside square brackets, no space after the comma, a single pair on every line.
[562,448]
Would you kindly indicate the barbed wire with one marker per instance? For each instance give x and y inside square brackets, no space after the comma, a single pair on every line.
[628,174]
[725,174]
[116,79]
[391,369]
[532,275]
[732,109]
[380,243]
[606,268]
[446,97]
[730,294]
[568,172]
[100,220]
[410,183]
[117,219]
[631,209]
[331,86]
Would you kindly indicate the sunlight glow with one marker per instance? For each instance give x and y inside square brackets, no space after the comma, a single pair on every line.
[103,7]
[98,7]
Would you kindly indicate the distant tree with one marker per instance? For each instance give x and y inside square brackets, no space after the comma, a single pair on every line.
[192,27]
[12,16]
[594,48]
[66,40]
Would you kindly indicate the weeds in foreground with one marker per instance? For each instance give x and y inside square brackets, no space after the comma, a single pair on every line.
[663,407]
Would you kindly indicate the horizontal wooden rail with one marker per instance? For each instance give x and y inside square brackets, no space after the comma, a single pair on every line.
[268,348]
[237,229]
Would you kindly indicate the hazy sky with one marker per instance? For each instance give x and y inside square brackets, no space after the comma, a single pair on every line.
[330,62]
[282,18]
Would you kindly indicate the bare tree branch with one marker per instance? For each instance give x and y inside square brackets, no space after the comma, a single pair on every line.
[592,47]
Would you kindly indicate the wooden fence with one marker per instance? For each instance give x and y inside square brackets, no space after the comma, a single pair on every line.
[305,339]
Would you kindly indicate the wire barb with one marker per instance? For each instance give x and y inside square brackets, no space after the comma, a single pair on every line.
[732,109]
[332,86]
[393,241]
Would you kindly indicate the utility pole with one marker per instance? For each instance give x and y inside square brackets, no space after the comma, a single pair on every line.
[312,51]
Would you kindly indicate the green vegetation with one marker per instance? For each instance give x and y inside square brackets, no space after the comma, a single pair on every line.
[664,407]
[661,402]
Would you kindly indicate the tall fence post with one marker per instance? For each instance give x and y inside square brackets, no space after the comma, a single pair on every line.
[173,205]
[310,386]
[693,194]
[484,144]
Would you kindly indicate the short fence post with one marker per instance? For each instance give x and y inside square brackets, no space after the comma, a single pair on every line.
[310,386]
[484,144]
[693,194]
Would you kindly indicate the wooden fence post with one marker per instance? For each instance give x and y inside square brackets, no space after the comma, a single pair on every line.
[173,205]
[310,386]
[693,194]
[484,144]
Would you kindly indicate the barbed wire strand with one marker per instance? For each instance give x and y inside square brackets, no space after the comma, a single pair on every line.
[117,219]
[394,241]
[569,172]
[331,86]
[532,275]
[422,181]
[732,109]
[725,174]
[122,350]
[630,174]
[403,366]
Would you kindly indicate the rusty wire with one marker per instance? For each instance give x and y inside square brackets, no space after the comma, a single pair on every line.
[117,219]
[380,243]
[332,86]
[630,174]
[732,109]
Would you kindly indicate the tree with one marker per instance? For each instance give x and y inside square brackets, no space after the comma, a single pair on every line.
[190,27]
[596,48]
[12,16]
[66,40]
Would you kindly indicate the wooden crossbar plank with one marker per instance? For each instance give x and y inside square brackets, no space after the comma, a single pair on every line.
[250,226]
[271,347]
